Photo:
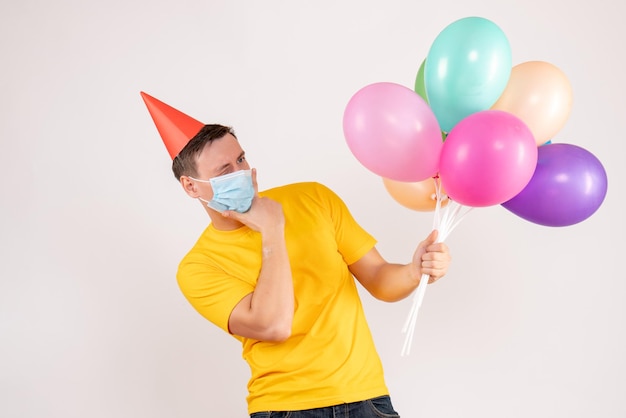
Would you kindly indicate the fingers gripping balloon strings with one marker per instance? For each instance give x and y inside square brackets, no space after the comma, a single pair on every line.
[445,220]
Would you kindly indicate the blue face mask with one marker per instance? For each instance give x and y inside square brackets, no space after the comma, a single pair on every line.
[232,191]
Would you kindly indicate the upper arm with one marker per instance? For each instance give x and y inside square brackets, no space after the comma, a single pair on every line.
[213,294]
[388,282]
[366,269]
[239,321]
[243,322]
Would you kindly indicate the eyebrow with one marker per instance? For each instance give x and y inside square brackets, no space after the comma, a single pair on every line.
[221,168]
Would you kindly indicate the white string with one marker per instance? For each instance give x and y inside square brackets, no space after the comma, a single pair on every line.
[445,220]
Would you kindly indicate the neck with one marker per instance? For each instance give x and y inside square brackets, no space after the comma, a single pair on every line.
[219,222]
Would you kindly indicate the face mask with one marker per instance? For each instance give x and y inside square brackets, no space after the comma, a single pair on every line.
[232,191]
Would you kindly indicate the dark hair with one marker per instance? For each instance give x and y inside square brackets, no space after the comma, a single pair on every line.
[184,163]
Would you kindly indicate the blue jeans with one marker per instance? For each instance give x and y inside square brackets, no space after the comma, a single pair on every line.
[371,408]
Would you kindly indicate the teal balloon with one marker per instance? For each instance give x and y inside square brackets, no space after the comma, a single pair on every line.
[467,68]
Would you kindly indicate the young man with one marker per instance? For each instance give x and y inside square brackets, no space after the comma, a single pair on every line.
[276,270]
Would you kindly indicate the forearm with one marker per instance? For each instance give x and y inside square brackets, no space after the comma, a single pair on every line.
[394,282]
[272,302]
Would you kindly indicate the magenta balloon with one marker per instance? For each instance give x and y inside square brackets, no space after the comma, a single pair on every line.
[487,158]
[392,131]
[568,186]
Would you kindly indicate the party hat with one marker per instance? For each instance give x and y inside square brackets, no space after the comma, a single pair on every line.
[175,127]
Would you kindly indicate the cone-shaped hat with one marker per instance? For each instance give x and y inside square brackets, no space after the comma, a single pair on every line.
[175,127]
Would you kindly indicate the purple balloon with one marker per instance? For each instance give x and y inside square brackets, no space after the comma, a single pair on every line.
[569,184]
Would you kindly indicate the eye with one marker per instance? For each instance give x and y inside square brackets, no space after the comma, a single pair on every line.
[241,159]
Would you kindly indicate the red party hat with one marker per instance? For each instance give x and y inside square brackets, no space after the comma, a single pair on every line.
[175,127]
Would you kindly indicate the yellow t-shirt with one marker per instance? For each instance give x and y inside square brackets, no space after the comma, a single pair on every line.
[330,357]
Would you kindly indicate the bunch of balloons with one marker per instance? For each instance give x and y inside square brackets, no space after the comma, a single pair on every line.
[482,126]
[483,129]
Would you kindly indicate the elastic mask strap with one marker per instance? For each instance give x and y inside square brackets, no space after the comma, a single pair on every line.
[198,180]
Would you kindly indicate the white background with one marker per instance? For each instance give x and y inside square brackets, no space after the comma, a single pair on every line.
[530,320]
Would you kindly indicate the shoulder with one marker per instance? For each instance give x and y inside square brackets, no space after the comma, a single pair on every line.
[309,188]
[309,197]
[308,193]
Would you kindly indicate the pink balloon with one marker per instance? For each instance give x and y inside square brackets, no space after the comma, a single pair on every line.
[393,132]
[487,159]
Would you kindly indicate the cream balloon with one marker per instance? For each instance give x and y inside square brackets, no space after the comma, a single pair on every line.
[540,95]
[420,196]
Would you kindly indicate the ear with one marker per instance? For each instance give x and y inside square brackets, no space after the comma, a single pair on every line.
[189,186]
[254,182]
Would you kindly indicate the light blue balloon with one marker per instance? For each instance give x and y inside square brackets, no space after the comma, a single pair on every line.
[467,68]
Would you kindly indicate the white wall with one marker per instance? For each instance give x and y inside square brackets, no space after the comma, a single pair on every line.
[528,322]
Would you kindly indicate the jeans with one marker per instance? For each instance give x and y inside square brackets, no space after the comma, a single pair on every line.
[371,408]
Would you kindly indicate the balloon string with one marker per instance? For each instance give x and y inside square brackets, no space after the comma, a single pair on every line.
[445,220]
[438,202]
